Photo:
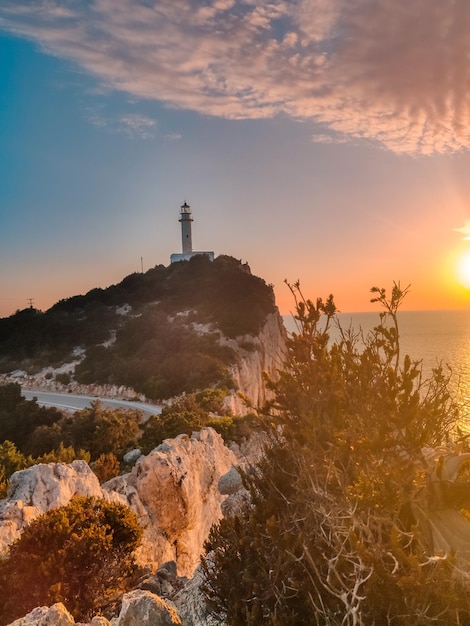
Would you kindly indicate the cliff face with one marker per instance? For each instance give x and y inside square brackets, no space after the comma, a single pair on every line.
[256,355]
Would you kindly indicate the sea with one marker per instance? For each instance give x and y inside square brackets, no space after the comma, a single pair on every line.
[432,337]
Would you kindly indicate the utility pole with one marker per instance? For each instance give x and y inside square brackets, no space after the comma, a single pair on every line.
[30,301]
[142,264]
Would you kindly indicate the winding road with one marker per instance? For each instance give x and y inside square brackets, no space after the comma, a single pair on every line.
[73,402]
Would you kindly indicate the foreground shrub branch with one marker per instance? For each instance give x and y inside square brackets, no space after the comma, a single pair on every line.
[343,521]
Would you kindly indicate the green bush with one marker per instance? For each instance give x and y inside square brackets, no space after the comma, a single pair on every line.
[20,417]
[106,466]
[80,554]
[187,414]
[330,536]
[100,430]
[63,378]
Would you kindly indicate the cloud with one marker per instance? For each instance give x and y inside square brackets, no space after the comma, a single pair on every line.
[465,230]
[392,71]
[133,125]
[324,138]
[173,136]
[139,126]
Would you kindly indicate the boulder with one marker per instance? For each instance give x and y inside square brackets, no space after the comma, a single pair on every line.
[131,457]
[139,608]
[191,606]
[174,492]
[56,615]
[143,608]
[99,620]
[231,482]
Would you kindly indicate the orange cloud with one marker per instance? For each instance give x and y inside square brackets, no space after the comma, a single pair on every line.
[392,71]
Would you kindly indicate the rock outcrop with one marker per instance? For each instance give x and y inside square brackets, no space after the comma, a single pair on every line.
[56,615]
[191,606]
[43,487]
[139,608]
[173,490]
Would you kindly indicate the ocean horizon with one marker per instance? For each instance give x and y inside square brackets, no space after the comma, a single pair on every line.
[433,337]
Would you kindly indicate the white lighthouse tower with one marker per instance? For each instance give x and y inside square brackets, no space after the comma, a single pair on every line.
[186,219]
[186,237]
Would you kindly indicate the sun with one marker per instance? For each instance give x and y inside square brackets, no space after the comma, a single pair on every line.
[463,269]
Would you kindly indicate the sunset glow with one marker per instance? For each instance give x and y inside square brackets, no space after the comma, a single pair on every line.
[316,140]
[463,270]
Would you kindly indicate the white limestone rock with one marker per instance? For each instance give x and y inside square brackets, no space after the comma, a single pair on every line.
[131,457]
[264,353]
[39,489]
[56,615]
[142,608]
[174,491]
[191,605]
[99,620]
[231,482]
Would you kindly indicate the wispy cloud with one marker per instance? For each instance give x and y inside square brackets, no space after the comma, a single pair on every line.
[465,230]
[393,71]
[324,138]
[133,125]
[173,136]
[139,126]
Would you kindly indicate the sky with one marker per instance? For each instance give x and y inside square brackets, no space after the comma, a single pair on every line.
[325,141]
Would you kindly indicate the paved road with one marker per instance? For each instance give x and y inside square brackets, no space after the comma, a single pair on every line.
[76,403]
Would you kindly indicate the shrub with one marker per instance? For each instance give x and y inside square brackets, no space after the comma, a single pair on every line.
[106,467]
[63,378]
[100,430]
[80,554]
[187,414]
[330,536]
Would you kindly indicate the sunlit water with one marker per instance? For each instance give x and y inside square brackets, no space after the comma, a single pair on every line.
[432,337]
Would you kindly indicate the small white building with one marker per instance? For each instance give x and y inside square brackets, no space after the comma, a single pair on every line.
[186,238]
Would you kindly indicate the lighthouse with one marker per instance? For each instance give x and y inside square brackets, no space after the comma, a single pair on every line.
[185,220]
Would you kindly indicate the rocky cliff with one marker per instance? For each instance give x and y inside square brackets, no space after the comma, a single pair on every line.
[255,356]
[173,490]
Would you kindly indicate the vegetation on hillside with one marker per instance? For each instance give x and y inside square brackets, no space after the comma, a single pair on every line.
[156,349]
[158,357]
[332,534]
[101,436]
[80,554]
[192,412]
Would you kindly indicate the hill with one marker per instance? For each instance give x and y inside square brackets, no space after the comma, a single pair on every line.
[157,332]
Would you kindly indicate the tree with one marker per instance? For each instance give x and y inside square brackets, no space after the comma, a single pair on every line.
[186,415]
[80,554]
[333,533]
[101,430]
[20,417]
[190,413]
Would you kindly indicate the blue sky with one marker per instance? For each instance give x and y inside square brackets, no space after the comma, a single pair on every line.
[319,140]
